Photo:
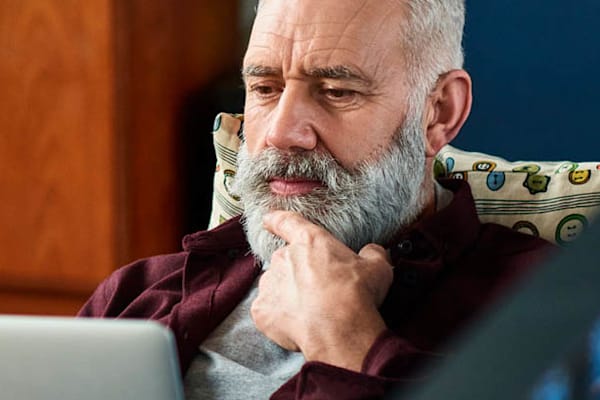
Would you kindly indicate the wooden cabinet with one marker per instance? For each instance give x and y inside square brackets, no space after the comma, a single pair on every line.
[89,147]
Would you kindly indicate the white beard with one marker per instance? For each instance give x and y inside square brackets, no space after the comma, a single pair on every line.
[368,205]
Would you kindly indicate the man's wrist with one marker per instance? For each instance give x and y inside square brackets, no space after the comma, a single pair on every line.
[345,348]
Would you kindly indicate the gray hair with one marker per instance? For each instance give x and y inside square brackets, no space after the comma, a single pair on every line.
[432,40]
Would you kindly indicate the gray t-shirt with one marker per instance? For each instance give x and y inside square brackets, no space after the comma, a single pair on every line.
[238,362]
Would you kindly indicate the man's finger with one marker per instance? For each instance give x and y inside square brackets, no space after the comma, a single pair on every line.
[374,252]
[381,271]
[291,226]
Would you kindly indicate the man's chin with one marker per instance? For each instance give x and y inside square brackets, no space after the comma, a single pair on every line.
[264,244]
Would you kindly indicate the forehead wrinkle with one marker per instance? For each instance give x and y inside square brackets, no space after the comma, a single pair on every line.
[357,13]
[298,23]
[383,26]
[312,36]
[292,26]
[383,63]
[257,67]
[330,50]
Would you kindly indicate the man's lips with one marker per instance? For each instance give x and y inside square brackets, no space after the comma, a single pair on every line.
[293,186]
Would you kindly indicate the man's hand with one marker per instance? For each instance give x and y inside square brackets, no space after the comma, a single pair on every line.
[318,296]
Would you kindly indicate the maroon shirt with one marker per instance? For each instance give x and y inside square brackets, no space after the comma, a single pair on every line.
[448,268]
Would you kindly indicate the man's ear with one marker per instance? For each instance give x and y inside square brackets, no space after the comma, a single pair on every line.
[447,109]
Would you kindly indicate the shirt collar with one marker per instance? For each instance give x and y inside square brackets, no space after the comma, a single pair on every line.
[443,235]
[229,236]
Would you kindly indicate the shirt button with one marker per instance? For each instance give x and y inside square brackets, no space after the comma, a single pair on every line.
[405,247]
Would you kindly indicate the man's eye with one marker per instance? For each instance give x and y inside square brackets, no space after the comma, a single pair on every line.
[264,90]
[339,94]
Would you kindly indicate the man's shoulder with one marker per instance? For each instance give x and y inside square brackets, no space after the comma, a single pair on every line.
[461,219]
[198,249]
[499,239]
[507,254]
[222,240]
[150,269]
[157,278]
[135,281]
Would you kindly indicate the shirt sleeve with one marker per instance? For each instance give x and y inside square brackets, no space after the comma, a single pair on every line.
[97,304]
[146,288]
[391,361]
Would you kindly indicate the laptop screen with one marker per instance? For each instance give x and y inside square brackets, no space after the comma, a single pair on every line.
[93,359]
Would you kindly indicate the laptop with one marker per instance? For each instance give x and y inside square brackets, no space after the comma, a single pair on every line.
[94,359]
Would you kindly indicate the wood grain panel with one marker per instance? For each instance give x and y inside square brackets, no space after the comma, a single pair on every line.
[35,303]
[90,153]
[56,141]
[166,52]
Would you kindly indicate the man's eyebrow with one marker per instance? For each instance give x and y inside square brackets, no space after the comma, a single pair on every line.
[260,71]
[339,72]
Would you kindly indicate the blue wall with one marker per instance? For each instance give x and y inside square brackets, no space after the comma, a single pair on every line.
[536,71]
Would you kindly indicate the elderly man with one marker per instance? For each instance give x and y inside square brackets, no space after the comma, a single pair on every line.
[350,266]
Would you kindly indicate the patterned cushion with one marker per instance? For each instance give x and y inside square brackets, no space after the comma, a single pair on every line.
[553,200]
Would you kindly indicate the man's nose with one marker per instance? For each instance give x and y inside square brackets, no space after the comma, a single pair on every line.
[293,124]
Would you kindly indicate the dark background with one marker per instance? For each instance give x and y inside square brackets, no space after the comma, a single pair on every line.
[534,65]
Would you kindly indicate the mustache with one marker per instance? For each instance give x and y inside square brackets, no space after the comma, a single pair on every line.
[311,165]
